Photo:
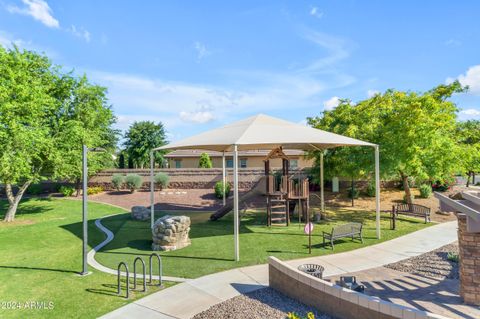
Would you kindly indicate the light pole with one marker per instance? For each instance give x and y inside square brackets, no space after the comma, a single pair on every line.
[84,204]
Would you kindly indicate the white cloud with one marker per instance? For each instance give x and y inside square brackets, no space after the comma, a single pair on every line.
[469,114]
[199,116]
[331,103]
[80,33]
[470,78]
[372,93]
[316,13]
[8,41]
[37,9]
[453,43]
[336,50]
[202,51]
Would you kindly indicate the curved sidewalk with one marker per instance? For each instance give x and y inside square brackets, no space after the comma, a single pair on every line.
[189,298]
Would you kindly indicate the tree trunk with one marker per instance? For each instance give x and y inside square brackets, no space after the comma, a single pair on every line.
[406,187]
[469,174]
[78,186]
[352,190]
[13,201]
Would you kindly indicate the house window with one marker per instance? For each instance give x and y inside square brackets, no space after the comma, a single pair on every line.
[243,163]
[229,163]
[178,163]
[293,163]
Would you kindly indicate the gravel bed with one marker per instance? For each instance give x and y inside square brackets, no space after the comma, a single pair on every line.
[259,304]
[434,263]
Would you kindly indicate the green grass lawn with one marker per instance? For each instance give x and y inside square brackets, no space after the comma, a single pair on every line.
[40,256]
[212,242]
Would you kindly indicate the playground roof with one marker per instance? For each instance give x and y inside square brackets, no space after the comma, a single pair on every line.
[262,132]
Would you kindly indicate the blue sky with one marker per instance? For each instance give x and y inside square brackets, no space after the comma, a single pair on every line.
[195,65]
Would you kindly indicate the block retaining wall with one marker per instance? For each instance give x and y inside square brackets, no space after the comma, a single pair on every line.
[469,246]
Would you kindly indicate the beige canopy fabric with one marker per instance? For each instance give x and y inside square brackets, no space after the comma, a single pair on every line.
[265,133]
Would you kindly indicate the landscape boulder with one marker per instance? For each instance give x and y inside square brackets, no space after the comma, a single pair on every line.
[171,233]
[140,213]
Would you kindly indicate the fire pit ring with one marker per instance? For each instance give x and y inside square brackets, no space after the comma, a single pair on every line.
[312,269]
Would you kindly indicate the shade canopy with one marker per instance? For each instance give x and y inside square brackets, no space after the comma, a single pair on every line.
[262,132]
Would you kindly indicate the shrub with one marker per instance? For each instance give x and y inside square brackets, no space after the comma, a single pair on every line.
[94,190]
[452,257]
[66,191]
[117,181]
[205,161]
[293,315]
[133,182]
[34,189]
[219,189]
[162,180]
[371,190]
[425,191]
[477,184]
[412,197]
[353,193]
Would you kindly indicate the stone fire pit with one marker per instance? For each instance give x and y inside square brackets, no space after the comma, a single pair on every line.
[140,213]
[171,233]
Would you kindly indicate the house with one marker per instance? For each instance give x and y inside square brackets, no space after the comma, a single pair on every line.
[247,159]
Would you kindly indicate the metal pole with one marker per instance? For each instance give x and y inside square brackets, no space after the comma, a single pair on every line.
[235,203]
[322,198]
[223,178]
[377,189]
[84,210]
[152,191]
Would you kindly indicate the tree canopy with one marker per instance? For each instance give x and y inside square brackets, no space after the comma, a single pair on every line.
[140,139]
[415,131]
[205,161]
[45,117]
[468,137]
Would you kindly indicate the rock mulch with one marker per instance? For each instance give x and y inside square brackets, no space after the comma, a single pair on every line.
[259,304]
[434,263]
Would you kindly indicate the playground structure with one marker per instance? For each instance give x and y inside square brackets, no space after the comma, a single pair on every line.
[283,192]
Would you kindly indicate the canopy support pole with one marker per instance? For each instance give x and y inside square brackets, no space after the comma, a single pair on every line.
[152,191]
[377,189]
[322,198]
[235,203]
[223,178]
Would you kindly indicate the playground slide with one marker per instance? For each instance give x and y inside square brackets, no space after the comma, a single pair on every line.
[257,189]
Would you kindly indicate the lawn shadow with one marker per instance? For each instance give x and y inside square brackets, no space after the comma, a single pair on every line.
[25,209]
[39,268]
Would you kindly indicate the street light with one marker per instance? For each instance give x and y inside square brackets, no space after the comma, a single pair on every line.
[84,204]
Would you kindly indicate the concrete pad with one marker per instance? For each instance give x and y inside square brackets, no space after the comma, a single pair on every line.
[135,311]
[259,273]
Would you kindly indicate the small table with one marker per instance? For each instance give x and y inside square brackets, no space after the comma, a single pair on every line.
[312,269]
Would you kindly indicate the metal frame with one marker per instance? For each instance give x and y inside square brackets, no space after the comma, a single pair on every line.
[159,269]
[135,274]
[119,290]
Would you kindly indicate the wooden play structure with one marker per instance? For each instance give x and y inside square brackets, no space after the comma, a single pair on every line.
[283,192]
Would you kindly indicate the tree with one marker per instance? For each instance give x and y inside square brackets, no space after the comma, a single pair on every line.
[140,139]
[45,117]
[414,130]
[121,161]
[468,136]
[205,161]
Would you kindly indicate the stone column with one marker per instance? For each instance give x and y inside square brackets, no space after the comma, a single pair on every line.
[469,244]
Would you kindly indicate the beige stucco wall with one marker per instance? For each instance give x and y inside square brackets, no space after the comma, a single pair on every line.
[252,162]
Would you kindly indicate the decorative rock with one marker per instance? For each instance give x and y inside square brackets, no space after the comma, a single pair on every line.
[171,233]
[140,213]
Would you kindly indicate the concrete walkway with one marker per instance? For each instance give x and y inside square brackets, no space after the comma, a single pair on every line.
[189,298]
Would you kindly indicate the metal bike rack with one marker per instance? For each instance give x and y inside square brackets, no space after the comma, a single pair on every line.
[159,269]
[118,278]
[135,274]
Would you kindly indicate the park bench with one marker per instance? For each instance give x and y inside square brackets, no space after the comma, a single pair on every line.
[352,230]
[411,210]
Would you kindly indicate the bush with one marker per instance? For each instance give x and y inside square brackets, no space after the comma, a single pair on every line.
[205,161]
[293,315]
[371,190]
[117,181]
[353,193]
[94,190]
[133,182]
[412,197]
[425,191]
[219,189]
[66,191]
[452,257]
[34,189]
[162,180]
[477,184]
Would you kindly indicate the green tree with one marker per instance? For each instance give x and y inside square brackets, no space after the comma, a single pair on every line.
[140,139]
[205,161]
[45,117]
[415,131]
[468,136]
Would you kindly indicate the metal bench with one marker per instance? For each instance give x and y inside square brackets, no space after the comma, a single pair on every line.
[352,230]
[411,210]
